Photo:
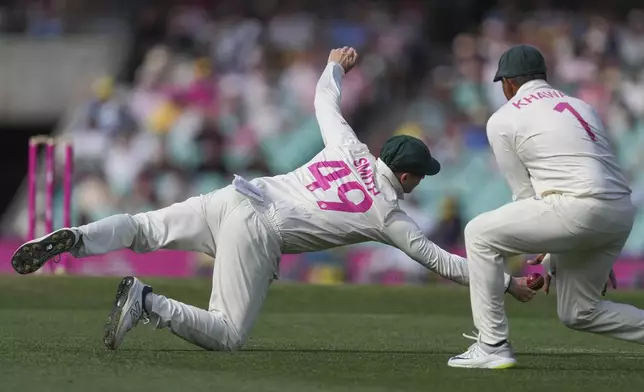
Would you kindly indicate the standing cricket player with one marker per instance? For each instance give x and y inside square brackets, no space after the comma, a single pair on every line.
[571,201]
[343,196]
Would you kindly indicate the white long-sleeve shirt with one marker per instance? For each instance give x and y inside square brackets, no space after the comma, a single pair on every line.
[546,141]
[344,195]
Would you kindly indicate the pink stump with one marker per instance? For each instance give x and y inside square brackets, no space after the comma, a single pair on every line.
[31,178]
[49,189]
[67,195]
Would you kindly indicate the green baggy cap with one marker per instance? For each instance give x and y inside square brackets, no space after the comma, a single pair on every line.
[520,60]
[407,154]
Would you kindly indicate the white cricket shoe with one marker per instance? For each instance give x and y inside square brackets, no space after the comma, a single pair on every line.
[128,310]
[483,356]
[32,255]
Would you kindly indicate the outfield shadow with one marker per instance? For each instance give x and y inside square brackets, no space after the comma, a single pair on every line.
[577,365]
[297,350]
[346,351]
[607,355]
[591,354]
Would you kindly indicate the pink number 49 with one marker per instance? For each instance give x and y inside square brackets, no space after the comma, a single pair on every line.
[561,106]
[322,181]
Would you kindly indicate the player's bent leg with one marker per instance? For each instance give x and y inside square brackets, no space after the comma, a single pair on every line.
[245,264]
[210,330]
[135,302]
[523,227]
[527,226]
[580,279]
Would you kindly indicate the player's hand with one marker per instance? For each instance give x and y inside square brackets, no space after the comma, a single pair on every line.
[519,289]
[537,260]
[346,57]
[548,267]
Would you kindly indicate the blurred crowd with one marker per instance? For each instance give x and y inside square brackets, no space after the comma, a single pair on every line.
[597,59]
[212,96]
[209,94]
[56,18]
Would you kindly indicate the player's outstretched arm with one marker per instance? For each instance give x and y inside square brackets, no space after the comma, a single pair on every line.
[403,233]
[334,128]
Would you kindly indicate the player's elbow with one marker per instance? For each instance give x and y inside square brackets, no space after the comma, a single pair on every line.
[423,254]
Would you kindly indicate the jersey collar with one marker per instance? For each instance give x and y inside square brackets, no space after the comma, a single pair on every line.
[386,172]
[532,85]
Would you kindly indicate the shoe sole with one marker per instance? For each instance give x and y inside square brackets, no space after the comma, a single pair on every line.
[494,365]
[114,319]
[31,256]
[504,366]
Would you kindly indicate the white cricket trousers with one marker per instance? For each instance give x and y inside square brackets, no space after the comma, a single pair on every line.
[584,237]
[223,224]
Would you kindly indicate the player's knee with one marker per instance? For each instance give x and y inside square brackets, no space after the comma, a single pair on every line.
[568,319]
[576,318]
[235,345]
[475,230]
[231,342]
[235,342]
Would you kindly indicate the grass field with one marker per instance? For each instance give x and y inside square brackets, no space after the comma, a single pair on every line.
[309,338]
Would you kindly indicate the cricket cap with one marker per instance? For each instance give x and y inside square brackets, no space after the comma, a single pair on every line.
[407,154]
[520,60]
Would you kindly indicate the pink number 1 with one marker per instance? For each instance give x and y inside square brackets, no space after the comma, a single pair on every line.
[561,106]
[341,169]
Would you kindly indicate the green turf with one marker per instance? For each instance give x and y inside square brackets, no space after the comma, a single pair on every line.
[309,338]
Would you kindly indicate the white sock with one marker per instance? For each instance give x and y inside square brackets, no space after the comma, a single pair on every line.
[148,301]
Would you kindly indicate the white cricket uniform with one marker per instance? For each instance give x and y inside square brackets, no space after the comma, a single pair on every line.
[342,196]
[571,200]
